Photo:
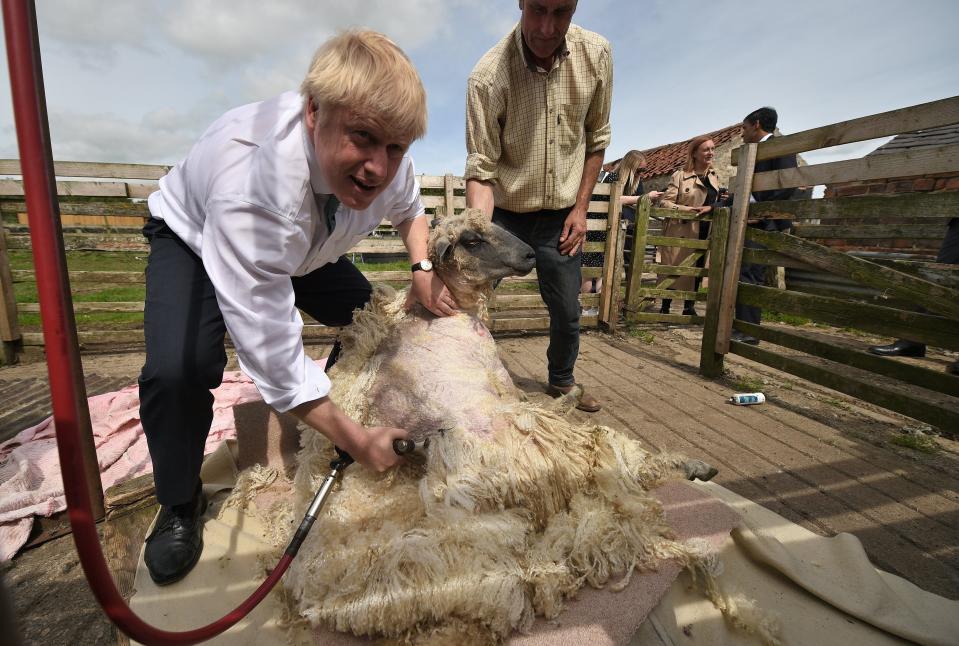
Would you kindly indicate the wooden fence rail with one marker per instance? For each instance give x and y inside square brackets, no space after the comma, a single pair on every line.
[908,298]
[104,214]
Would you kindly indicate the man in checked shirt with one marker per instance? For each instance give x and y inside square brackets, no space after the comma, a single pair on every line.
[537,126]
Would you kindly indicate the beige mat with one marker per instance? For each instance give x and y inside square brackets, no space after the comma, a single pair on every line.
[824,589]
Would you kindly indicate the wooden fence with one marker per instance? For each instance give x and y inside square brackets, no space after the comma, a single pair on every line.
[905,287]
[103,207]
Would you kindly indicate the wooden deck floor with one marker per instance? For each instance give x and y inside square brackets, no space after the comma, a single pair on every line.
[813,456]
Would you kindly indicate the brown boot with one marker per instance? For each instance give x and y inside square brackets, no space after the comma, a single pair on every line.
[585,401]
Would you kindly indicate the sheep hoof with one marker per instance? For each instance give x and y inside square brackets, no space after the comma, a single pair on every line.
[697,469]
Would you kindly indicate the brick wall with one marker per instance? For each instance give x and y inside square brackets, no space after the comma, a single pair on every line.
[894,185]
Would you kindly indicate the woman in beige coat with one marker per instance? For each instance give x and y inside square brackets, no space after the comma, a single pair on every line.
[693,189]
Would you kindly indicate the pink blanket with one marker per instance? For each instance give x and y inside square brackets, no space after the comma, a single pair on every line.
[30,481]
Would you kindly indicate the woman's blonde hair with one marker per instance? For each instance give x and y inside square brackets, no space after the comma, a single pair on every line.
[367,73]
[630,168]
[694,143]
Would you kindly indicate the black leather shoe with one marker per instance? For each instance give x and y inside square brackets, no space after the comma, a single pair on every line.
[174,545]
[953,368]
[742,337]
[901,348]
[690,311]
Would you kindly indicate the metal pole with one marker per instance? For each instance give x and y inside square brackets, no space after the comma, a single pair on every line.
[67,390]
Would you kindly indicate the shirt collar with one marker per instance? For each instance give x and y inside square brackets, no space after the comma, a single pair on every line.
[768,135]
[317,182]
[561,53]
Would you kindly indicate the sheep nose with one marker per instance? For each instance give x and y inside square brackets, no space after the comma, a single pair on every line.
[531,255]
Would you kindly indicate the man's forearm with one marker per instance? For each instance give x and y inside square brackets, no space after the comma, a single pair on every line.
[479,195]
[591,167]
[415,232]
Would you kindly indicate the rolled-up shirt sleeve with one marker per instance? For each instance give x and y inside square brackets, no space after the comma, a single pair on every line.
[408,204]
[249,253]
[483,146]
[598,130]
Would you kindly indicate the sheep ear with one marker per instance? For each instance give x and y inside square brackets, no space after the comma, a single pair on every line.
[443,247]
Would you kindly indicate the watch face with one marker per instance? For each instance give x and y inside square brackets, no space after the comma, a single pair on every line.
[426,265]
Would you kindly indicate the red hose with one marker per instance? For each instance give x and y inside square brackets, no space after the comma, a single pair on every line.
[70,412]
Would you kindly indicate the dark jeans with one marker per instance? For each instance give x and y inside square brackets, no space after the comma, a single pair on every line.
[753,275]
[185,357]
[560,278]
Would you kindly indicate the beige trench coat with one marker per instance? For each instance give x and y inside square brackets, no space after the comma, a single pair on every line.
[684,193]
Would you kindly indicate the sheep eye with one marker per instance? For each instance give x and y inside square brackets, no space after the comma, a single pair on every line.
[472,244]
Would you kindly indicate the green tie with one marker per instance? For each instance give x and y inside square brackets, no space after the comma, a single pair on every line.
[329,210]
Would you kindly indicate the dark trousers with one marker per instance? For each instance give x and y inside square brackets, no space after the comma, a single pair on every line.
[753,275]
[185,357]
[560,278]
[948,253]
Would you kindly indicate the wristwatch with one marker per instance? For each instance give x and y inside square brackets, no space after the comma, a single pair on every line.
[423,265]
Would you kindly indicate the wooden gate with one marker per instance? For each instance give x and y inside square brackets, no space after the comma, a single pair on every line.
[921,298]
[102,208]
[643,264]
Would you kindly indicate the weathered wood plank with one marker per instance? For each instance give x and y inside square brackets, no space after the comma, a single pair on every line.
[933,297]
[611,287]
[656,317]
[734,248]
[672,293]
[635,278]
[826,348]
[88,242]
[710,362]
[119,207]
[674,270]
[936,205]
[685,243]
[766,257]
[672,214]
[934,409]
[9,325]
[14,187]
[93,169]
[943,112]
[439,181]
[869,232]
[89,306]
[921,161]
[122,277]
[934,330]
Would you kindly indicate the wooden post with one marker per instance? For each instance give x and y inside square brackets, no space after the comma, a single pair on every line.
[448,193]
[615,299]
[634,281]
[711,363]
[734,247]
[9,325]
[610,281]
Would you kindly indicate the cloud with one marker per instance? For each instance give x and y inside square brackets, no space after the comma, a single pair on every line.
[95,32]
[251,29]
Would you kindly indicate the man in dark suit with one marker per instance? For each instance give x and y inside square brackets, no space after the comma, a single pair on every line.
[759,126]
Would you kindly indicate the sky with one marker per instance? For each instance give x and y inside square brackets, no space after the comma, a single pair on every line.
[137,81]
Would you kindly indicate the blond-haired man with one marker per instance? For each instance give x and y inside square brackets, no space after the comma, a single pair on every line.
[253,225]
[537,127]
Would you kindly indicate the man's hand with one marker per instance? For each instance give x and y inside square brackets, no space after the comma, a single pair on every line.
[377,453]
[430,290]
[574,232]
[371,447]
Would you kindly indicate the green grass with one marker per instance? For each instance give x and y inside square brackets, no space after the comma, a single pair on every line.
[916,441]
[645,336]
[744,384]
[788,319]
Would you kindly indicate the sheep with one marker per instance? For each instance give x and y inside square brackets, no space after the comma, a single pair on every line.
[513,508]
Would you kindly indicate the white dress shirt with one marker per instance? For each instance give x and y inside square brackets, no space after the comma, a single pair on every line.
[243,200]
